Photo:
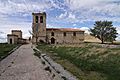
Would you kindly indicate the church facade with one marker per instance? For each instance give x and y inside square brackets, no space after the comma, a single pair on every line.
[53,35]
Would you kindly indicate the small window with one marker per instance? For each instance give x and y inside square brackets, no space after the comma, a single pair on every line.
[36,19]
[64,33]
[74,33]
[41,19]
[52,33]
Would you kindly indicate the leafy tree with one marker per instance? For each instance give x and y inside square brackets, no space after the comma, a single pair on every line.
[34,35]
[104,31]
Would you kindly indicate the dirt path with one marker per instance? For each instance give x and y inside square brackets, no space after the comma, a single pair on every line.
[22,65]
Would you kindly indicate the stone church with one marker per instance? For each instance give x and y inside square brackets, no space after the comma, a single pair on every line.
[53,35]
[16,37]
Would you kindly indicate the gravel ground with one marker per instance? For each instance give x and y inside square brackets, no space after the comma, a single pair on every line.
[23,65]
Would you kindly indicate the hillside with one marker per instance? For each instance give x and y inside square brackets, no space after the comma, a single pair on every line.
[89,38]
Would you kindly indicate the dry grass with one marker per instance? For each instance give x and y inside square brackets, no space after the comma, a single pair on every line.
[5,48]
[87,61]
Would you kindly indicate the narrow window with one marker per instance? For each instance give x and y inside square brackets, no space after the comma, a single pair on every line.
[36,19]
[74,33]
[52,33]
[64,33]
[41,19]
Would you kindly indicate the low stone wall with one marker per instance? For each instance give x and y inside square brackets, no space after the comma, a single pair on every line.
[56,70]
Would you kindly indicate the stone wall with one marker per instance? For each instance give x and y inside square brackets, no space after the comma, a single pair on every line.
[17,32]
[69,38]
[39,27]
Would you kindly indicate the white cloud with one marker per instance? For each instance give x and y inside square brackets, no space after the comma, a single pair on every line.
[90,10]
[68,17]
[118,30]
[49,26]
[95,9]
[21,8]
[77,4]
[6,29]
[86,29]
[53,26]
[63,15]
[2,37]
[118,38]
[72,11]
[71,16]
[10,7]
[74,24]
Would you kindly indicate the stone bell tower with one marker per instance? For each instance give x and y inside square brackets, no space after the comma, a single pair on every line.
[39,27]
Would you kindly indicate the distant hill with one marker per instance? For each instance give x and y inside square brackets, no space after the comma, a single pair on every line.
[89,38]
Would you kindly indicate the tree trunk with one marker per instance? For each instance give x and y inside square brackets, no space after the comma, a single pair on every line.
[36,39]
[102,41]
[112,42]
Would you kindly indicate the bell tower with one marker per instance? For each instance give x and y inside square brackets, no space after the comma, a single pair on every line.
[39,27]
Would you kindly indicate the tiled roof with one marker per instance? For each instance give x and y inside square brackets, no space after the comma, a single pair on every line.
[63,29]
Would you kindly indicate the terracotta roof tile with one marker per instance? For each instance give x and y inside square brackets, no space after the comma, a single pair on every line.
[64,29]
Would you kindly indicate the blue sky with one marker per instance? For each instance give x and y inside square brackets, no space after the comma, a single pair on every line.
[16,14]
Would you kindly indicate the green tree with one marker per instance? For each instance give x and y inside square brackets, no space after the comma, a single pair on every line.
[104,31]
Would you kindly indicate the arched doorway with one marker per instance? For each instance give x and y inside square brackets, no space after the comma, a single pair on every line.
[52,41]
[10,41]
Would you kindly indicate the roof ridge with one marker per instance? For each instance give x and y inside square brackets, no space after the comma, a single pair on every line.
[65,29]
